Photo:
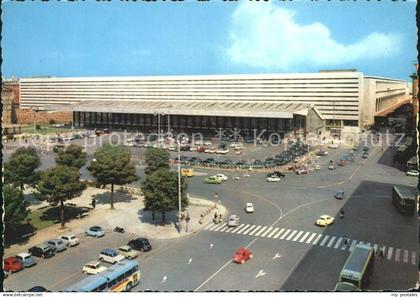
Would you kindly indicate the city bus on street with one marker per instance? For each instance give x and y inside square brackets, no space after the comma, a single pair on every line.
[119,277]
[359,266]
[404,199]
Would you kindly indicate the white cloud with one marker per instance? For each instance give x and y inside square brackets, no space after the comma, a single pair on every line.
[267,36]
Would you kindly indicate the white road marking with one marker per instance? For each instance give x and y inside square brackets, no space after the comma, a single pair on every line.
[280,232]
[272,233]
[214,227]
[255,230]
[324,240]
[277,255]
[337,244]
[285,234]
[331,241]
[243,228]
[211,245]
[297,236]
[164,279]
[220,227]
[237,228]
[209,225]
[189,261]
[375,248]
[291,235]
[352,245]
[389,256]
[266,231]
[304,236]
[317,239]
[247,231]
[260,273]
[230,229]
[259,232]
[224,229]
[397,255]
[311,237]
[405,256]
[413,258]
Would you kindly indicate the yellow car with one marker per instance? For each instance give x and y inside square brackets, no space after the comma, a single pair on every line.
[324,221]
[187,172]
[93,267]
[127,252]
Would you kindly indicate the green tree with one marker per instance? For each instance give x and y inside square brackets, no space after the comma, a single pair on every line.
[15,208]
[112,166]
[156,158]
[72,155]
[20,168]
[160,191]
[59,184]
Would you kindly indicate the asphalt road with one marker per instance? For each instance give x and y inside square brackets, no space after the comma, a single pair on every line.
[290,252]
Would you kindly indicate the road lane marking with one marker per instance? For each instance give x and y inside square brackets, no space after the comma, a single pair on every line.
[280,232]
[413,258]
[331,241]
[285,234]
[260,273]
[291,235]
[397,255]
[337,244]
[311,237]
[317,239]
[237,228]
[243,229]
[256,229]
[375,248]
[220,227]
[389,252]
[164,279]
[209,225]
[230,229]
[277,255]
[352,245]
[405,256]
[266,231]
[224,229]
[247,231]
[304,236]
[324,240]
[259,232]
[297,236]
[272,233]
[189,261]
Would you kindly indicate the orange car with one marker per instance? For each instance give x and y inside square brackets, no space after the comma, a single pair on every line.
[242,255]
[341,163]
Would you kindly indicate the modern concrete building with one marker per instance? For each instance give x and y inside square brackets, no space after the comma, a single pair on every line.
[338,101]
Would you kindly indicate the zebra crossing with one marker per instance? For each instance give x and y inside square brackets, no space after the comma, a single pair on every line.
[312,238]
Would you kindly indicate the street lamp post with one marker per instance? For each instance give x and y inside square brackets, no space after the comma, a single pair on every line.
[158,130]
[179,185]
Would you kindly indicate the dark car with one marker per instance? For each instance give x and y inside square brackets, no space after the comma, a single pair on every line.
[38,289]
[222,146]
[41,251]
[185,148]
[365,149]
[279,174]
[140,244]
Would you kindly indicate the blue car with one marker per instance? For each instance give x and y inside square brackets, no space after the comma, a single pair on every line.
[95,231]
[26,259]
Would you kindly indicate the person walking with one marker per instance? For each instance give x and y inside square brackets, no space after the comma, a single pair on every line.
[346,241]
[93,203]
[381,253]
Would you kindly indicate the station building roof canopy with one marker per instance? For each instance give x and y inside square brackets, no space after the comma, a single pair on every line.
[201,108]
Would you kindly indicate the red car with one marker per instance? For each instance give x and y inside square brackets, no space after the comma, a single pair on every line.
[12,264]
[341,163]
[241,255]
[200,149]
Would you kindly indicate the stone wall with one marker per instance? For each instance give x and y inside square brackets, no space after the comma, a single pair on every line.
[6,101]
[27,116]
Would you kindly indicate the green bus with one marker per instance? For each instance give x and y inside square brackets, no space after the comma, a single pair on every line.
[404,199]
[359,266]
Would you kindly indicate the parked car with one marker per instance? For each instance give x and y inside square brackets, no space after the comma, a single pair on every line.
[273,178]
[95,231]
[339,195]
[365,149]
[233,221]
[140,244]
[341,163]
[412,173]
[324,221]
[331,167]
[69,239]
[93,267]
[11,264]
[365,155]
[222,151]
[249,207]
[56,244]
[279,174]
[302,171]
[212,180]
[242,255]
[38,289]
[317,167]
[41,251]
[211,150]
[200,149]
[333,146]
[110,256]
[222,176]
[127,252]
[26,259]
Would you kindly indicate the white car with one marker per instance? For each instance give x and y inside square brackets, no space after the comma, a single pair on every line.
[198,142]
[69,239]
[333,146]
[110,256]
[222,176]
[93,267]
[239,146]
[207,143]
[412,173]
[222,151]
[233,221]
[249,207]
[273,179]
[210,150]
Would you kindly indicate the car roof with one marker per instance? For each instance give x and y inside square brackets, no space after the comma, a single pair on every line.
[68,235]
[95,227]
[126,247]
[233,216]
[108,250]
[42,245]
[23,255]
[324,216]
[249,204]
[10,259]
[93,263]
[55,240]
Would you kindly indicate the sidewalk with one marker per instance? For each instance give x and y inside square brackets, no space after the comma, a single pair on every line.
[129,214]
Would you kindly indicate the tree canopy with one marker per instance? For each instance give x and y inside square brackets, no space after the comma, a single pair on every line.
[112,166]
[15,208]
[20,168]
[160,191]
[73,155]
[156,158]
[59,184]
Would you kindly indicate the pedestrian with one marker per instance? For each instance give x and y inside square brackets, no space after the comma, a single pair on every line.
[381,253]
[215,215]
[346,240]
[93,203]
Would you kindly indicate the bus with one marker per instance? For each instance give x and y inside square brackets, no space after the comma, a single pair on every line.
[404,199]
[119,277]
[359,266]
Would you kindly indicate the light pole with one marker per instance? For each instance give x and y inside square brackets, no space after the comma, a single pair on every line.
[179,185]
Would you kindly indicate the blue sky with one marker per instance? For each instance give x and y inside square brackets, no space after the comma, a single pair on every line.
[166,38]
